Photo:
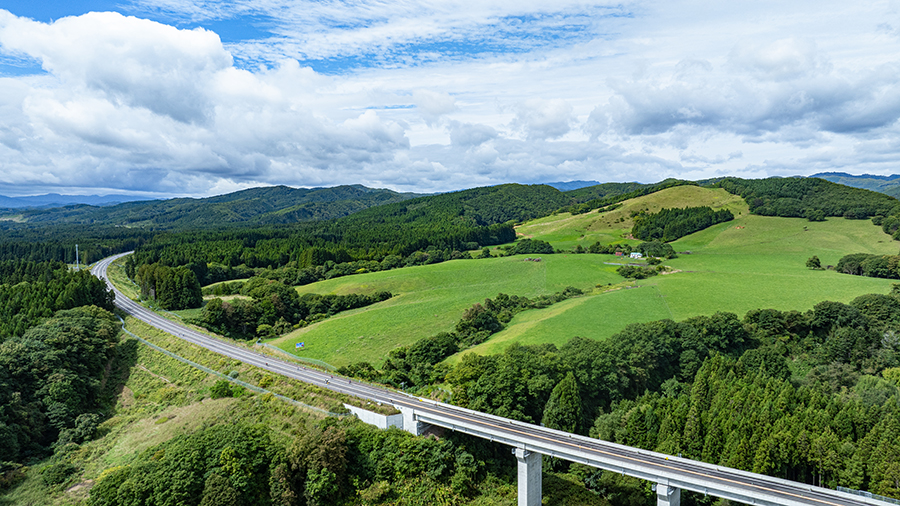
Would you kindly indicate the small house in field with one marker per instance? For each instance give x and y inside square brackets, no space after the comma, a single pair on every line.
[618,253]
[636,255]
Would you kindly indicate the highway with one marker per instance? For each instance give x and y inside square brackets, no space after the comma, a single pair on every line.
[663,469]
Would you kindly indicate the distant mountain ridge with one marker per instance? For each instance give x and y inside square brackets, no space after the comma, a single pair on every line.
[889,185]
[57,200]
[255,206]
[572,185]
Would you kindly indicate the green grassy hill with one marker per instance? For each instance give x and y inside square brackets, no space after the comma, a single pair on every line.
[749,263]
[431,299]
[564,231]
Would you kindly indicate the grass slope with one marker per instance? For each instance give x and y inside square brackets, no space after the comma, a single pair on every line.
[752,262]
[749,263]
[565,231]
[161,397]
[431,299]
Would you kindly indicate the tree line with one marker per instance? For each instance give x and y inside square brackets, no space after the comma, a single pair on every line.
[332,462]
[171,288]
[810,198]
[51,382]
[32,291]
[670,224]
[605,197]
[274,308]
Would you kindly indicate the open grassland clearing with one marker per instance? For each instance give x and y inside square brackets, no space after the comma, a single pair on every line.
[750,263]
[565,230]
[431,299]
[117,276]
[753,262]
[602,314]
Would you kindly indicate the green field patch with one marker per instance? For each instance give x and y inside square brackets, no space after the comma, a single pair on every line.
[749,263]
[752,262]
[594,316]
[226,297]
[431,299]
[759,235]
[148,432]
[565,230]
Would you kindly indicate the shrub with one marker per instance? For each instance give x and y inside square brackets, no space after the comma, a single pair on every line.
[221,388]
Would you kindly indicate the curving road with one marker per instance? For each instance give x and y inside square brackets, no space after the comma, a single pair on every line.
[672,471]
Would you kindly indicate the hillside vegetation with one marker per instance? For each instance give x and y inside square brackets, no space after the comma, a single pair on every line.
[256,206]
[565,230]
[811,198]
[748,263]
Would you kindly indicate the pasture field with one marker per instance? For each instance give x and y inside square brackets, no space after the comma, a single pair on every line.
[431,299]
[752,262]
[749,263]
[565,231]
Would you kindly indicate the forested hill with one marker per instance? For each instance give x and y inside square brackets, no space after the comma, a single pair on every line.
[256,206]
[489,205]
[452,221]
[812,198]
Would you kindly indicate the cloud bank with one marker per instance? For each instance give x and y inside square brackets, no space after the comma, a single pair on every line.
[440,96]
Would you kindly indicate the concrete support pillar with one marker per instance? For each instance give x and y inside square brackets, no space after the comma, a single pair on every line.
[667,495]
[410,423]
[529,477]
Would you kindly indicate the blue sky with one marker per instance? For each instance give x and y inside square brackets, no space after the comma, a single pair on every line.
[200,97]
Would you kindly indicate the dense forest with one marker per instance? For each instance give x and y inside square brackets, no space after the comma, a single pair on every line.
[273,308]
[51,382]
[671,224]
[57,243]
[31,291]
[171,288]
[252,207]
[57,342]
[810,198]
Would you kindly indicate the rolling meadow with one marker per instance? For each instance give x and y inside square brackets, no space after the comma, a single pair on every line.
[749,263]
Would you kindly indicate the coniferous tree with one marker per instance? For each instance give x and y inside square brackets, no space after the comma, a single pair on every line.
[563,409]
